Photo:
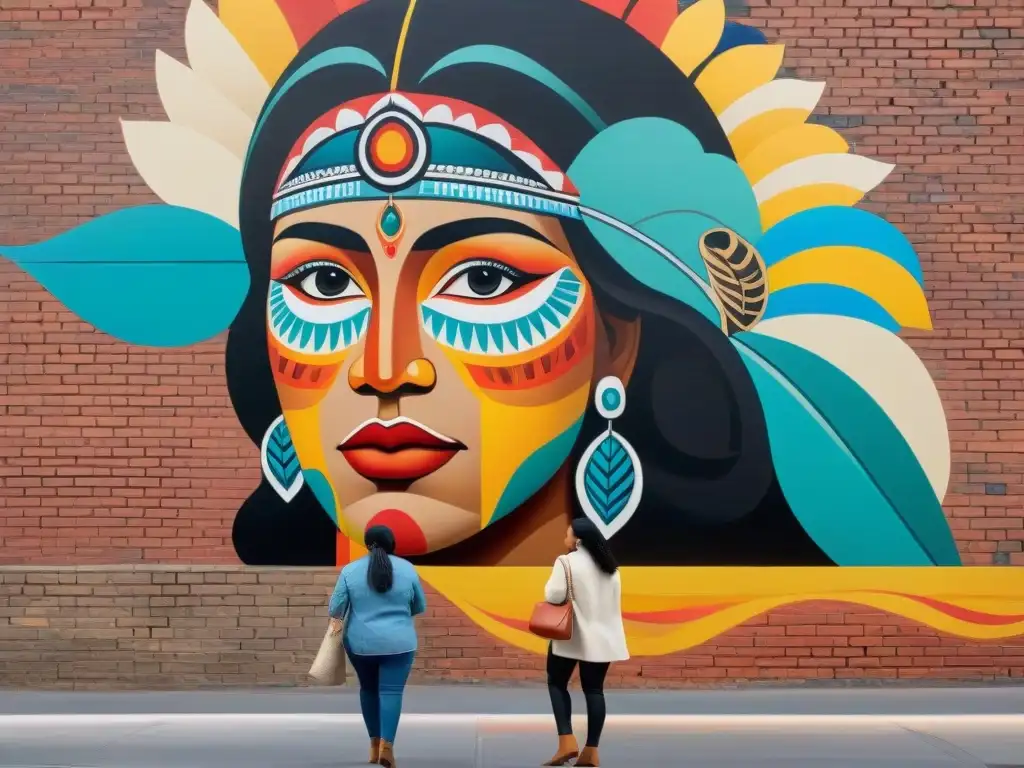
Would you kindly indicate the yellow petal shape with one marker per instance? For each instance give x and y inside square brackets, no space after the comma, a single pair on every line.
[868,272]
[192,102]
[185,168]
[794,143]
[786,204]
[262,30]
[695,34]
[888,370]
[217,57]
[737,72]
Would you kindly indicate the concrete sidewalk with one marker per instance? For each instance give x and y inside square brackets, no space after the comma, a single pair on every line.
[523,700]
[464,727]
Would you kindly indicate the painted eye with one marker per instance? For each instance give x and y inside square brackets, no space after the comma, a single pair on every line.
[483,280]
[323,281]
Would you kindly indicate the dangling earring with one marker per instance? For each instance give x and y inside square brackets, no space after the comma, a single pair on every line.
[279,460]
[609,480]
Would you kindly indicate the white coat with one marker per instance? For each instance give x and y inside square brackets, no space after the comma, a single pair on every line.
[598,634]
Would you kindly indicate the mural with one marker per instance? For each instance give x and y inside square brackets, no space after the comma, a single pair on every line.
[482,278]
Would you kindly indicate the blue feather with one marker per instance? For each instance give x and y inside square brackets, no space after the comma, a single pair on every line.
[825,299]
[838,225]
[282,459]
[847,472]
[734,35]
[156,275]
[609,478]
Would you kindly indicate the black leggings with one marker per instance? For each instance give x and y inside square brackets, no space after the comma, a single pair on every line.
[592,676]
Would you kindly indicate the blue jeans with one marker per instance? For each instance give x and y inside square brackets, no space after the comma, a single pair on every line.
[381,685]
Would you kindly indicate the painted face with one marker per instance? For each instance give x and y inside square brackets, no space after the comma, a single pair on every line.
[433,361]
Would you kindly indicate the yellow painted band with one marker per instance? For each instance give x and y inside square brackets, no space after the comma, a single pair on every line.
[790,145]
[865,271]
[510,593]
[402,35]
[793,201]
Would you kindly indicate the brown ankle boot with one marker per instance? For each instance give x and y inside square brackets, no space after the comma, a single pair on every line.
[588,758]
[568,749]
[387,754]
[374,751]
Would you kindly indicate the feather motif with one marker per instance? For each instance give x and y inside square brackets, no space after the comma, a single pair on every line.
[279,460]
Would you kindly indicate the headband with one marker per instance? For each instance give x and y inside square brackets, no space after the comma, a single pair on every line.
[448,151]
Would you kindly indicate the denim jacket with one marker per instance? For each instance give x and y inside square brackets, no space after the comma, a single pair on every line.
[378,624]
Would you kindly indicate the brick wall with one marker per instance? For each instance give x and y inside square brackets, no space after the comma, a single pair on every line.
[118,454]
[182,627]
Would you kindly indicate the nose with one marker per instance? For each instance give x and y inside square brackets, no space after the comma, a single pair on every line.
[417,378]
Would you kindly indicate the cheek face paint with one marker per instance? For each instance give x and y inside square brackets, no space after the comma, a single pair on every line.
[543,369]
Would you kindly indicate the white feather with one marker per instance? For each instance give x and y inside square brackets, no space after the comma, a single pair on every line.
[185,168]
[888,370]
[855,171]
[192,102]
[778,94]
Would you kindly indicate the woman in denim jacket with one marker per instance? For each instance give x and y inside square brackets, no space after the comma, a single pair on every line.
[377,596]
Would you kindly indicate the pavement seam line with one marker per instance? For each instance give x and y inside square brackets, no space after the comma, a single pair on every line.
[961,755]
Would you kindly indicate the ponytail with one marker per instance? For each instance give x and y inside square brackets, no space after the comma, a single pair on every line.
[380,541]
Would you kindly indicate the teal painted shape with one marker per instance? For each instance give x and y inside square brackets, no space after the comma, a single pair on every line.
[481,336]
[390,221]
[322,491]
[523,324]
[281,458]
[848,474]
[609,478]
[497,337]
[537,321]
[515,61]
[155,275]
[466,334]
[653,175]
[511,334]
[535,471]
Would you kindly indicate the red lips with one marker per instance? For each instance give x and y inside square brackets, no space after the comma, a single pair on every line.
[398,451]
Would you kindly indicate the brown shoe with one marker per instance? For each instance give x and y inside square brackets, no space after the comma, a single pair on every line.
[387,754]
[568,750]
[588,758]
[374,751]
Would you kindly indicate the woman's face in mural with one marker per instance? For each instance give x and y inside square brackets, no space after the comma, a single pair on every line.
[436,382]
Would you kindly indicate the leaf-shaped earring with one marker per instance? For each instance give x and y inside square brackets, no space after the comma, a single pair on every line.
[609,480]
[280,462]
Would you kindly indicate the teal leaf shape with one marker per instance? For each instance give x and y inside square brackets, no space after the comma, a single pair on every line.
[609,478]
[279,460]
[849,475]
[653,175]
[155,275]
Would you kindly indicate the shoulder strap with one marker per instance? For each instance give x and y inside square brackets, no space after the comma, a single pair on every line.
[568,577]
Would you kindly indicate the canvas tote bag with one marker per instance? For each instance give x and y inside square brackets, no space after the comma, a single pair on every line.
[554,622]
[329,666]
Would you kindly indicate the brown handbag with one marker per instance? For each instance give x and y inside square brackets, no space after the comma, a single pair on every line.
[554,622]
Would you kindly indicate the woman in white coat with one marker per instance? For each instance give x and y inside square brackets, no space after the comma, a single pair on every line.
[598,637]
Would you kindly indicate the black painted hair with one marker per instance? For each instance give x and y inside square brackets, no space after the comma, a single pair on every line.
[692,412]
[380,542]
[595,544]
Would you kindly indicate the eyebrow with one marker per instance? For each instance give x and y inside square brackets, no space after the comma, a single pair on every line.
[342,238]
[454,231]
